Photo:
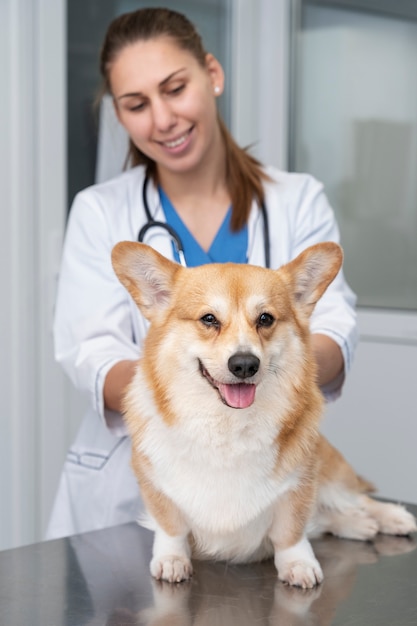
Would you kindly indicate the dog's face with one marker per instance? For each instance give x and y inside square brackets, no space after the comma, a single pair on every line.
[234,325]
[224,332]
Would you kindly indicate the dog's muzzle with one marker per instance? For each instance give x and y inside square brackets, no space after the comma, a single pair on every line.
[236,395]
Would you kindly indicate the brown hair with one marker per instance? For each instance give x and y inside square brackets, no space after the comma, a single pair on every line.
[244,174]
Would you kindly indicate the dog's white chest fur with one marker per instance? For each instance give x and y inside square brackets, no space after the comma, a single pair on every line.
[219,472]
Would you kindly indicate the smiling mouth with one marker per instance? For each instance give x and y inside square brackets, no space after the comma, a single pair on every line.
[234,395]
[175,143]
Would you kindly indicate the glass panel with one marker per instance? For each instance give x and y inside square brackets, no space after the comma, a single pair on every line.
[87,22]
[355,128]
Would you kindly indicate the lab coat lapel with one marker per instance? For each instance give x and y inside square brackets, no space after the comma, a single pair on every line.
[256,247]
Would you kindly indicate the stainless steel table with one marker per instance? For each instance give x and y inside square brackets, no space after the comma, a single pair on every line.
[102,579]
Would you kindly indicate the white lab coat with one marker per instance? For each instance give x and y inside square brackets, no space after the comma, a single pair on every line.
[97,323]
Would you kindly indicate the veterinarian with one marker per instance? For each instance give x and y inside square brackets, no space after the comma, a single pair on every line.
[187,175]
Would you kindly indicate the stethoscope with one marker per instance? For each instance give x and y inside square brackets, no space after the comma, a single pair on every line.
[152,223]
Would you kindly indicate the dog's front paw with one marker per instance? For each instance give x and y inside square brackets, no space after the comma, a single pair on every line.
[171,568]
[305,574]
[298,566]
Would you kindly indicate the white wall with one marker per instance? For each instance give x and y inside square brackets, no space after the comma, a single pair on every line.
[374,423]
[32,180]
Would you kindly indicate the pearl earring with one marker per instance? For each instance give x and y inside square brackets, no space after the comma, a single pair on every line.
[217,89]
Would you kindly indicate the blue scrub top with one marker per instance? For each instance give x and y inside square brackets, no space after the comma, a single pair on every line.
[227,246]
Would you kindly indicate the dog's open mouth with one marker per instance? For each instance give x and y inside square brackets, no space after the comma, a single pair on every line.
[236,395]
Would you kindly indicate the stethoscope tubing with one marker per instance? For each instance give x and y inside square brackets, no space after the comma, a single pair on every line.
[152,223]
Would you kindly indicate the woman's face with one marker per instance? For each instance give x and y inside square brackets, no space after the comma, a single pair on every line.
[166,101]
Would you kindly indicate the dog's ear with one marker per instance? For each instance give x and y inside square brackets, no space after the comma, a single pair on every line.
[147,275]
[312,272]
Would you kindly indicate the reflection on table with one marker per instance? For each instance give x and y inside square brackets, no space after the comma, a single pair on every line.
[102,578]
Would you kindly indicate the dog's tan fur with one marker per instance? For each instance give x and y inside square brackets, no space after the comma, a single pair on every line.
[224,414]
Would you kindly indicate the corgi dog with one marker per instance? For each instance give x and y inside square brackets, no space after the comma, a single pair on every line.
[224,413]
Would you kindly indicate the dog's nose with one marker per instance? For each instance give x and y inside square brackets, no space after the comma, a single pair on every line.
[243,364]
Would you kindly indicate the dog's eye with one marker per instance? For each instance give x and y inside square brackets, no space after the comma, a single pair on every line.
[210,320]
[265,320]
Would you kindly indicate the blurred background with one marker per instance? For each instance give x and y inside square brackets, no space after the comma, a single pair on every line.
[327,87]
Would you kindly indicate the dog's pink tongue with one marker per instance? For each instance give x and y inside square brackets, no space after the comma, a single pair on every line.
[238,396]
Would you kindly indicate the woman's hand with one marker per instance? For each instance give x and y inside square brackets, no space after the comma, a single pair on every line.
[117,379]
[329,358]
